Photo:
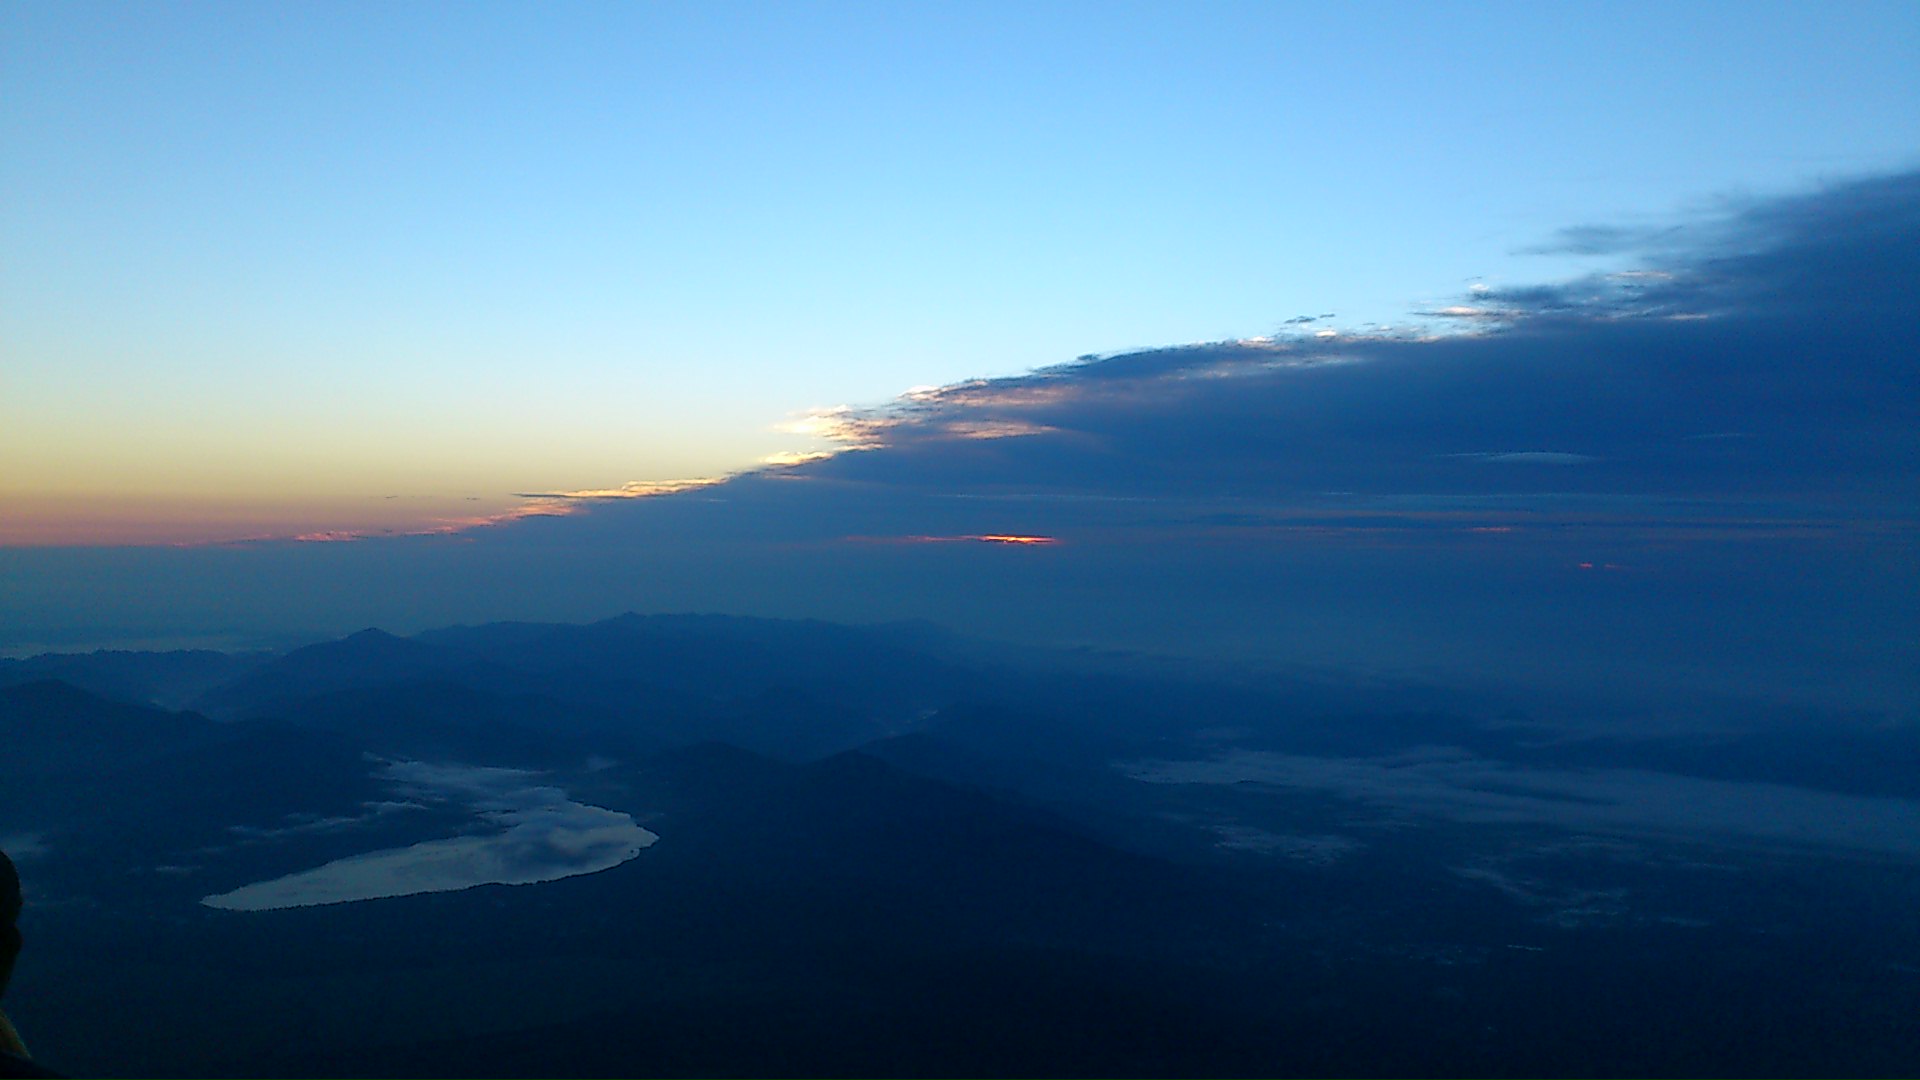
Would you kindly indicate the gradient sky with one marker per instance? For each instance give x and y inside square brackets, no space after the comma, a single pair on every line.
[318,269]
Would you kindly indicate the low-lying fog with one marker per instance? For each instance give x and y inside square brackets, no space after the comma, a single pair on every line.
[542,835]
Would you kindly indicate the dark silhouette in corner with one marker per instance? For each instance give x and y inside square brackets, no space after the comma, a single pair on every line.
[13,1053]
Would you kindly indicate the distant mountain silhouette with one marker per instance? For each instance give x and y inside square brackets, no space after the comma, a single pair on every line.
[795,689]
[369,658]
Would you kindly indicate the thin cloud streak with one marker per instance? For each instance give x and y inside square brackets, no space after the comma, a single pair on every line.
[543,506]
[1012,540]
[632,489]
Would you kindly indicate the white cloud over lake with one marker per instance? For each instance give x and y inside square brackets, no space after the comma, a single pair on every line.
[542,836]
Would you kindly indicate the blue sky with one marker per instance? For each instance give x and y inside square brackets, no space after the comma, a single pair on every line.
[271,266]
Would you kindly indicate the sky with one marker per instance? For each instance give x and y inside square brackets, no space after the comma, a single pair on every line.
[313,269]
[1568,349]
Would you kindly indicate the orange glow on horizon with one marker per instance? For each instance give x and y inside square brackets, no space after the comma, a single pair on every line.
[158,521]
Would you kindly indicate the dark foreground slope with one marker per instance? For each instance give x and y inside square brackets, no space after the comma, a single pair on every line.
[832,918]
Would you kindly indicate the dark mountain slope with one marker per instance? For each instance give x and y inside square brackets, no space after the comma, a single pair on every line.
[49,728]
[865,671]
[446,721]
